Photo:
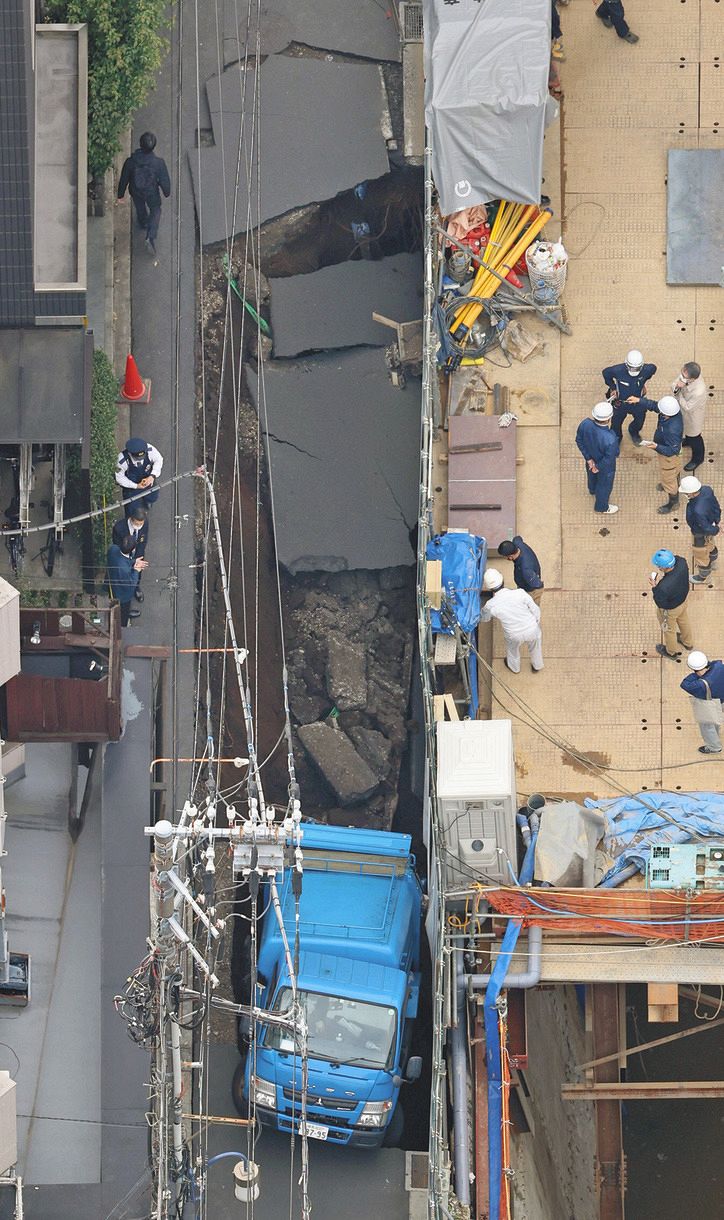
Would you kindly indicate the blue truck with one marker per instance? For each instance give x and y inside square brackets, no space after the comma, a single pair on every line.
[358,980]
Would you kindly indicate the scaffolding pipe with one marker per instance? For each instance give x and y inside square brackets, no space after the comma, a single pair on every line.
[525,978]
[459,1061]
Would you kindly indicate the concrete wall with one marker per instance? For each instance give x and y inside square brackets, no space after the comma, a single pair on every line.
[554,1163]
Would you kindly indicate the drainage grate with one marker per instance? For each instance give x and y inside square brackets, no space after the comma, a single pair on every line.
[417,1169]
[411,22]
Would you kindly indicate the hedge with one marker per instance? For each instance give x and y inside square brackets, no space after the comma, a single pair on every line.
[103,450]
[125,51]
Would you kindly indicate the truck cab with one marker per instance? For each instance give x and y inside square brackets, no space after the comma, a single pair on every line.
[358,982]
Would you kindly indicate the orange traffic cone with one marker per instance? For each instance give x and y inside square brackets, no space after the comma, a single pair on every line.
[133,388]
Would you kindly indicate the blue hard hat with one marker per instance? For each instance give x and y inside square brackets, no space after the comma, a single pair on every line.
[137,445]
[663,559]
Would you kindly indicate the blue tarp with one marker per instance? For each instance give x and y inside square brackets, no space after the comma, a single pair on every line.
[463,558]
[634,823]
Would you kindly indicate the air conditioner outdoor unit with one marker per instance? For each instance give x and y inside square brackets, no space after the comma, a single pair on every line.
[476,801]
[686,866]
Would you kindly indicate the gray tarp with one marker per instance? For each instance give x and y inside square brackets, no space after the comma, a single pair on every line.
[486,94]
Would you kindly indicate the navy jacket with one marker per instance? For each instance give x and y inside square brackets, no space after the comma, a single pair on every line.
[673,588]
[120,530]
[158,168]
[669,430]
[526,568]
[703,513]
[714,676]
[122,576]
[599,443]
[624,384]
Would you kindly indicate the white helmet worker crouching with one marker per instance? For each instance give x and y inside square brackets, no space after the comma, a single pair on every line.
[492,580]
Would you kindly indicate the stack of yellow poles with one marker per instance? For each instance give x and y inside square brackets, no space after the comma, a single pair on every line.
[514,228]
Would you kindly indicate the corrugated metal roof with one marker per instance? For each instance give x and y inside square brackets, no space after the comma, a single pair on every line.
[16,207]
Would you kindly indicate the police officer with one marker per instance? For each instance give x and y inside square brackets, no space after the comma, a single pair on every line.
[135,527]
[626,386]
[599,447]
[139,467]
[526,566]
[705,684]
[670,583]
[703,515]
[667,440]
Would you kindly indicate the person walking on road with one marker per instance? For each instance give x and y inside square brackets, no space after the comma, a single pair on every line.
[145,175]
[705,684]
[611,13]
[124,573]
[703,515]
[690,391]
[599,447]
[519,617]
[138,468]
[526,566]
[670,583]
[135,527]
[667,440]
[625,387]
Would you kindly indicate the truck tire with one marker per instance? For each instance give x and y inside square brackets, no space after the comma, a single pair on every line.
[395,1129]
[237,1091]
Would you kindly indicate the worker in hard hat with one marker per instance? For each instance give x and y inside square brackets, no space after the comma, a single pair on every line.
[668,436]
[625,387]
[519,617]
[670,583]
[691,392]
[703,516]
[599,447]
[705,684]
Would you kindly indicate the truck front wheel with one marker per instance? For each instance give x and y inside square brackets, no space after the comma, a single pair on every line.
[237,1091]
[395,1129]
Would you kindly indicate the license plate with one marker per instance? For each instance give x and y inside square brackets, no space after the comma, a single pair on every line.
[317,1132]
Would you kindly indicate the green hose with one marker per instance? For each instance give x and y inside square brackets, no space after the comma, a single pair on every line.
[261,322]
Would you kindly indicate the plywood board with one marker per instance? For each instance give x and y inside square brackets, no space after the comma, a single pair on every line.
[603,288]
[667,41]
[607,95]
[598,158]
[592,623]
[539,456]
[711,94]
[561,693]
[633,226]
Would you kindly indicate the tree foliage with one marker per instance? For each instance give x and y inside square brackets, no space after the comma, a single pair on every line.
[125,51]
[103,451]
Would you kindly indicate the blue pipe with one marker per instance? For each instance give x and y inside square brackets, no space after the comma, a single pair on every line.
[492,1036]
[240,1156]
[610,883]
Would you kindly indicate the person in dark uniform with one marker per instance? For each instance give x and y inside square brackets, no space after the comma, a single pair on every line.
[670,584]
[145,175]
[138,468]
[123,575]
[611,13]
[526,567]
[135,527]
[705,684]
[599,447]
[703,517]
[667,442]
[625,387]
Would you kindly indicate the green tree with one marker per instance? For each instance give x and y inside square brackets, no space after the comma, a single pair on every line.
[125,51]
[103,452]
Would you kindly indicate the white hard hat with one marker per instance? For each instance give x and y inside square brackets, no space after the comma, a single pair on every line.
[602,412]
[492,580]
[634,360]
[668,406]
[697,660]
[689,485]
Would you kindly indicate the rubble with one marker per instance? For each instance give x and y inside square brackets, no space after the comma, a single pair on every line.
[346,674]
[343,768]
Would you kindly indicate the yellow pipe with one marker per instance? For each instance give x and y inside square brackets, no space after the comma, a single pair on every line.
[508,258]
[485,284]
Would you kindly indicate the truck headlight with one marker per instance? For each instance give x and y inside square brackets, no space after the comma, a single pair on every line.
[375,1114]
[263,1092]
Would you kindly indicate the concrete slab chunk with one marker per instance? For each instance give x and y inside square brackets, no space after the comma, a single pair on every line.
[347,674]
[360,28]
[332,752]
[333,307]
[320,129]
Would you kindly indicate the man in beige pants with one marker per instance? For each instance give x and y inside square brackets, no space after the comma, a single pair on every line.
[667,443]
[670,583]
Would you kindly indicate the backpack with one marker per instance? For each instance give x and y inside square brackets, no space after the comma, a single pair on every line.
[145,179]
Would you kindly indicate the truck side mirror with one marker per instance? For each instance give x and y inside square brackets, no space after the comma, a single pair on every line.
[413,1071]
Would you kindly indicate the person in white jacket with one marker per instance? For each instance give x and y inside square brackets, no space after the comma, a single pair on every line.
[691,392]
[519,617]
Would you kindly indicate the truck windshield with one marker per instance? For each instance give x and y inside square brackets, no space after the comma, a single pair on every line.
[347,1031]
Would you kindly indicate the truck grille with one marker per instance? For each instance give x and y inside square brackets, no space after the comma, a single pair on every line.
[327,1103]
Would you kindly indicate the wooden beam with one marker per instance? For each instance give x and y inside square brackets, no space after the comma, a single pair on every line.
[150,652]
[646,1046]
[609,1169]
[433,582]
[663,1002]
[482,1181]
[649,1090]
[450,707]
